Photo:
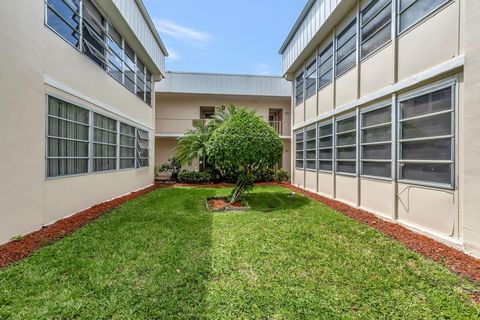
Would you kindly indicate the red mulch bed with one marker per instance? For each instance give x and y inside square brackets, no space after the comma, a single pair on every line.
[455,260]
[16,250]
[221,203]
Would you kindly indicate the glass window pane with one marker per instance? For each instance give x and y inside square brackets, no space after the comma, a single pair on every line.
[429,103]
[325,78]
[299,164]
[377,152]
[325,165]
[325,142]
[311,164]
[437,173]
[427,150]
[325,154]
[377,23]
[427,127]
[346,124]
[377,40]
[310,154]
[372,9]
[378,134]
[346,49]
[347,153]
[325,130]
[346,33]
[346,167]
[417,11]
[377,169]
[346,64]
[62,16]
[378,116]
[345,139]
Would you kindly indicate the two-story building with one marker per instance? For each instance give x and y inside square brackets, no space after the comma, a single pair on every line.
[184,98]
[385,110]
[77,106]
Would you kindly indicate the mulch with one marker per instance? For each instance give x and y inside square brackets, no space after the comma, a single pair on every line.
[455,260]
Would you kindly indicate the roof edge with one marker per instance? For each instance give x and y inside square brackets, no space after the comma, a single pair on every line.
[297,24]
[225,74]
[150,24]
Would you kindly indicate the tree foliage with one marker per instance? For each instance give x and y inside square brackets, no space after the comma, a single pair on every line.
[244,145]
[193,145]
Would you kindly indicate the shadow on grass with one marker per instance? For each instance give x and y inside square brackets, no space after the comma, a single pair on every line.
[273,201]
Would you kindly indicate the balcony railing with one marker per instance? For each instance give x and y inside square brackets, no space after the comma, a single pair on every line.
[178,127]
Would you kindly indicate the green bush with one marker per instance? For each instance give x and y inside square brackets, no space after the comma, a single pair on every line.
[281,175]
[244,146]
[172,166]
[266,175]
[194,177]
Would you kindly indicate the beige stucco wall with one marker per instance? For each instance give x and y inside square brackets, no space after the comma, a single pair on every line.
[175,112]
[470,179]
[444,214]
[37,62]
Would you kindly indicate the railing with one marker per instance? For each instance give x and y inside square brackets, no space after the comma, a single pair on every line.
[282,128]
[178,127]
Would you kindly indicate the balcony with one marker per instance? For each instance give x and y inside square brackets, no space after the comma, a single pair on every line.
[168,127]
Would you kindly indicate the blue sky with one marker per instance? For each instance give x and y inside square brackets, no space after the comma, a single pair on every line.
[225,36]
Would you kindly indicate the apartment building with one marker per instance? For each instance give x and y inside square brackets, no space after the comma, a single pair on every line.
[385,110]
[77,107]
[185,98]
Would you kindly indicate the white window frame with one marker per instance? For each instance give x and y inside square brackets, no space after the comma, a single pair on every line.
[93,157]
[315,149]
[353,114]
[320,125]
[381,105]
[452,83]
[302,134]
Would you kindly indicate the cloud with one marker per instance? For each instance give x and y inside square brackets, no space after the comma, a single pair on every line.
[186,34]
[263,69]
[173,55]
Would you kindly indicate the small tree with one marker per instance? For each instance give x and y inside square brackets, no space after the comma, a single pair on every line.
[244,145]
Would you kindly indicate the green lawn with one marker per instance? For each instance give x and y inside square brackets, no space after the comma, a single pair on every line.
[163,256]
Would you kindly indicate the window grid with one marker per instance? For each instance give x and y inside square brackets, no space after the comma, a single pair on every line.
[427,157]
[325,147]
[346,145]
[91,33]
[374,38]
[105,144]
[311,79]
[299,150]
[346,49]
[77,141]
[325,66]
[299,86]
[414,11]
[310,147]
[376,146]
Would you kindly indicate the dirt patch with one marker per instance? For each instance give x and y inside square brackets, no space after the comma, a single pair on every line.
[455,260]
[22,247]
[222,204]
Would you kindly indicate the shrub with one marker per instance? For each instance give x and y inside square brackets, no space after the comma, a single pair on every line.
[281,175]
[266,175]
[172,166]
[244,145]
[194,177]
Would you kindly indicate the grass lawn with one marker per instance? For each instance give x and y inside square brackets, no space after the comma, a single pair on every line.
[163,256]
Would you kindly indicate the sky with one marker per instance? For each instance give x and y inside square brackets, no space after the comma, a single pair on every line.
[224,36]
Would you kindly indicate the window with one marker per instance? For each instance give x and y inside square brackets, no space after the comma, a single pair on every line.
[93,34]
[140,80]
[426,137]
[376,142]
[299,89]
[101,42]
[375,24]
[311,87]
[346,145]
[127,146]
[311,148]
[299,150]
[115,54]
[143,153]
[129,67]
[148,93]
[63,16]
[67,139]
[325,66]
[325,147]
[104,143]
[412,11]
[346,49]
